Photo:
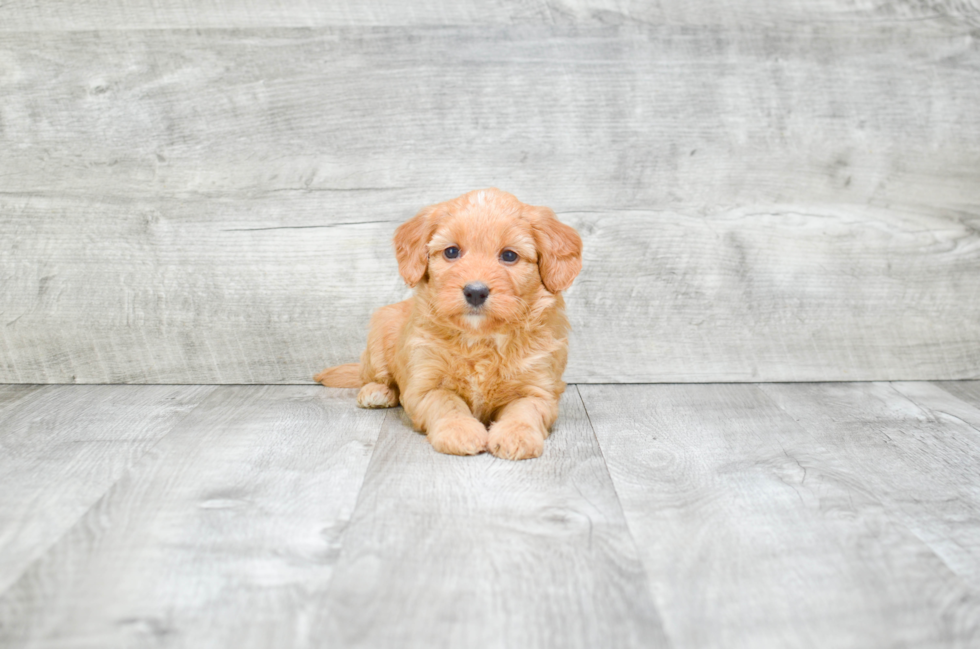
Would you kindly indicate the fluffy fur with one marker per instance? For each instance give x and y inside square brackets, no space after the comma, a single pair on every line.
[474,379]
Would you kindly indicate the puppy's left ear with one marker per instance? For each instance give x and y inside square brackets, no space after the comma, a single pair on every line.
[559,248]
[411,245]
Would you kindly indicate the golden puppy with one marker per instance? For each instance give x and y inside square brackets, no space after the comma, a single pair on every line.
[483,341]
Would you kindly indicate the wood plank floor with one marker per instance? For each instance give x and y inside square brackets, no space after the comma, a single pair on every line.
[688,516]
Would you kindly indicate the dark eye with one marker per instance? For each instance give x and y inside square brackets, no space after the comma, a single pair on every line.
[508,256]
[451,252]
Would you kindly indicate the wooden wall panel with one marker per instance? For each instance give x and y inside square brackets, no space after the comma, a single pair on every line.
[799,202]
[69,15]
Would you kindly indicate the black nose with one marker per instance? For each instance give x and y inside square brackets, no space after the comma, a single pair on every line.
[476,293]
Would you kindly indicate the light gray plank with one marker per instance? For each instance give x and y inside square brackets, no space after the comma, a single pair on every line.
[957,401]
[757,204]
[573,117]
[152,14]
[783,296]
[921,462]
[968,391]
[755,534]
[222,536]
[445,551]
[62,447]
[10,395]
[61,15]
[191,299]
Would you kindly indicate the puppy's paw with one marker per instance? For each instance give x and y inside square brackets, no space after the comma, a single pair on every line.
[377,395]
[513,439]
[458,436]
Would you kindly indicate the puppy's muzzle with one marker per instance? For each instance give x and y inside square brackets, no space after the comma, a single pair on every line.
[476,293]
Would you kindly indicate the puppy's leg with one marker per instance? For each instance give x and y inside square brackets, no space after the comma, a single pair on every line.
[447,421]
[521,428]
[379,389]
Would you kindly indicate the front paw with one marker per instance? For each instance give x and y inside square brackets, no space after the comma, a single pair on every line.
[377,395]
[513,439]
[458,436]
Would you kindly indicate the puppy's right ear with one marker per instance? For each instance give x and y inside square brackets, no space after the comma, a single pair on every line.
[559,249]
[412,245]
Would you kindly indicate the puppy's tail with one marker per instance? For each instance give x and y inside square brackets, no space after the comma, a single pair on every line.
[342,376]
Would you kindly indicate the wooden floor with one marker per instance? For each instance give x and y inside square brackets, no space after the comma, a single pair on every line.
[688,516]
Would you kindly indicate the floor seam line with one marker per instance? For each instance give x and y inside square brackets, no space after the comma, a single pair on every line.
[964,402]
[896,515]
[95,503]
[626,523]
[357,502]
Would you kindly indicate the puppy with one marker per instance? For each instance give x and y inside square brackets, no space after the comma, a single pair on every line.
[476,355]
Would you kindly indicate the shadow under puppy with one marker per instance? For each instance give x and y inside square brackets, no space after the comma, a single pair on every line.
[484,340]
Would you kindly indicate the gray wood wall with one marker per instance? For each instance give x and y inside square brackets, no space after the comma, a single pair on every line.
[204,192]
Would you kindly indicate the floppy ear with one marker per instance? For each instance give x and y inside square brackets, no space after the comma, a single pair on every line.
[411,245]
[559,249]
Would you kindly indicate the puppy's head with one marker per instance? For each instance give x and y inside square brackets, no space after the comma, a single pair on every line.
[486,259]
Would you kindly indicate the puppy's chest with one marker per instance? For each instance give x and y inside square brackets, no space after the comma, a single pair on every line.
[486,381]
[478,377]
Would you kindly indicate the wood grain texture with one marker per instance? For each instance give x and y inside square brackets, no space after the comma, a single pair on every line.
[833,515]
[222,300]
[755,533]
[795,202]
[222,536]
[956,400]
[67,15]
[10,395]
[62,447]
[206,300]
[480,552]
[919,460]
[641,117]
[968,391]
